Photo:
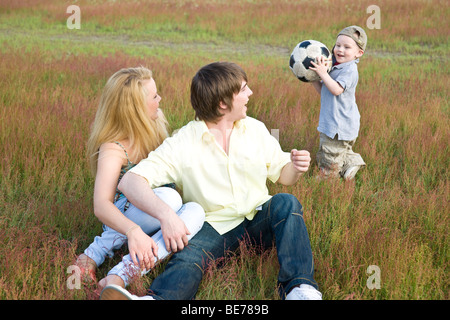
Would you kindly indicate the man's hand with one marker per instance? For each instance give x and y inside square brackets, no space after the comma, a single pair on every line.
[292,171]
[174,232]
[139,193]
[300,160]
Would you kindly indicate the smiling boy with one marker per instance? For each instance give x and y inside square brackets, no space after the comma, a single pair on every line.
[339,118]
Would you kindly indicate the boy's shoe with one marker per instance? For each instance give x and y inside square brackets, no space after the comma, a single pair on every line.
[115,292]
[327,174]
[304,292]
[350,173]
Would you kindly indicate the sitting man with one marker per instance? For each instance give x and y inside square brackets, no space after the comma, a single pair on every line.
[222,161]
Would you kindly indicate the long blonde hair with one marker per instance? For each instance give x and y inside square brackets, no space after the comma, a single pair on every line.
[122,114]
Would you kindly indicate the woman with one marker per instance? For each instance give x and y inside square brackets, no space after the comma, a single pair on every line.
[128,125]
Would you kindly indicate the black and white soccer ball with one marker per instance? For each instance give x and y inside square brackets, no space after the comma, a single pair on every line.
[301,57]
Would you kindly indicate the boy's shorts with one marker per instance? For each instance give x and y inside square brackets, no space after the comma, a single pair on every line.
[336,156]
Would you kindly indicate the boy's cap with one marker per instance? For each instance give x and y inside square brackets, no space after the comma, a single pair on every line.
[361,41]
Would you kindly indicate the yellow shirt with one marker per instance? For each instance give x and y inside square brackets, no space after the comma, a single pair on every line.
[228,187]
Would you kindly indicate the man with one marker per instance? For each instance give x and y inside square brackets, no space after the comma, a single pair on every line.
[222,161]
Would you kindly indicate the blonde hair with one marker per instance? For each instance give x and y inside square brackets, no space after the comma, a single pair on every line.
[123,114]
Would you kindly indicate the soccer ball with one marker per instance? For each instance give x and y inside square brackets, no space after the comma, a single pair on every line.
[301,57]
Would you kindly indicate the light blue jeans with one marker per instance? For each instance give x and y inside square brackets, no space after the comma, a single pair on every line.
[110,240]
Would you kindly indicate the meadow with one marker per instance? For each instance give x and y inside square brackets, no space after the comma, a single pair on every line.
[394,215]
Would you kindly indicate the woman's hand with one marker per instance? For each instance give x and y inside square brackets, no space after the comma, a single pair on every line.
[143,249]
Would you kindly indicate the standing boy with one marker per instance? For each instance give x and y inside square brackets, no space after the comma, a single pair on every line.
[339,115]
[223,160]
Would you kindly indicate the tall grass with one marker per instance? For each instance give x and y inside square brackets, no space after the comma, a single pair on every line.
[405,24]
[394,215]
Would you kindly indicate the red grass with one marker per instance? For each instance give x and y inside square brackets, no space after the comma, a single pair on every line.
[394,215]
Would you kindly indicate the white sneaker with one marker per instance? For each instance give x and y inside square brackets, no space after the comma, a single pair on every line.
[304,292]
[350,173]
[115,292]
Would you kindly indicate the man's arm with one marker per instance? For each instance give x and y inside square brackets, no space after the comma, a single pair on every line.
[139,193]
[292,171]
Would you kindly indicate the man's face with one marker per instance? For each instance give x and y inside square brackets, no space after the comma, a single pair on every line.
[240,100]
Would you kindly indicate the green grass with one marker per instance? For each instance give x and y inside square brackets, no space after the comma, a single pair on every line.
[394,215]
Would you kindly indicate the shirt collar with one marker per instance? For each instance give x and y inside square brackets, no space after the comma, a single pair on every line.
[205,134]
[342,65]
[241,125]
[203,131]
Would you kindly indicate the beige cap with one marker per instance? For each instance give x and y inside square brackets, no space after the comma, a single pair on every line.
[353,32]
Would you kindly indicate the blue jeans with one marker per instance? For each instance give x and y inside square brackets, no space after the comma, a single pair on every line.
[281,219]
[110,240]
[193,217]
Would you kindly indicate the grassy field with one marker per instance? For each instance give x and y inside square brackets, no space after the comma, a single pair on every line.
[394,215]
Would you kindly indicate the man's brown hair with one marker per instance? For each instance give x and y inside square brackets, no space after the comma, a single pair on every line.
[215,83]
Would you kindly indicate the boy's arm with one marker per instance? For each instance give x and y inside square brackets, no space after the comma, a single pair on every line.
[317,85]
[321,68]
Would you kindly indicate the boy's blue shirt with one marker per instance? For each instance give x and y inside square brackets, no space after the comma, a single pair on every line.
[339,114]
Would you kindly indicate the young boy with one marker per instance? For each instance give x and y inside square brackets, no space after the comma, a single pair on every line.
[339,115]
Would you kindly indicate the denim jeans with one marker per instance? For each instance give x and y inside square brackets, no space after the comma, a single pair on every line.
[280,220]
[110,240]
[193,217]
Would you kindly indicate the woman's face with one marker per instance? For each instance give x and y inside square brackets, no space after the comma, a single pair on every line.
[152,98]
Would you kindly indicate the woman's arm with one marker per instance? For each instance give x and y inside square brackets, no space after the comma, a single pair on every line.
[140,245]
[110,160]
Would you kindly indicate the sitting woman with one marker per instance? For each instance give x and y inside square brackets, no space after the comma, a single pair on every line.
[127,127]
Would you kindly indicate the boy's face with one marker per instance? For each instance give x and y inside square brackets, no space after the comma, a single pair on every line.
[346,49]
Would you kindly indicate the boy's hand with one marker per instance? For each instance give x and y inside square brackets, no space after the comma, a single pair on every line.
[321,65]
